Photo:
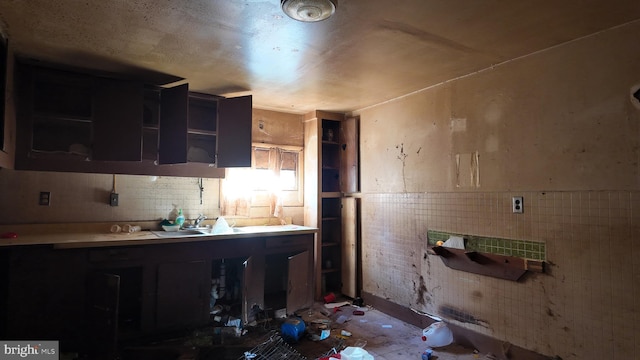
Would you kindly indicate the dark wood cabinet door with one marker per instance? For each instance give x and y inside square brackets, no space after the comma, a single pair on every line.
[299,295]
[174,113]
[182,294]
[350,247]
[349,156]
[252,285]
[4,50]
[103,294]
[234,132]
[117,120]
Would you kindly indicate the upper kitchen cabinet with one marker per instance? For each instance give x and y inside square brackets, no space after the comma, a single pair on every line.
[67,120]
[204,129]
[77,121]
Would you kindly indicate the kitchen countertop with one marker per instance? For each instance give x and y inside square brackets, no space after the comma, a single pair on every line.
[86,236]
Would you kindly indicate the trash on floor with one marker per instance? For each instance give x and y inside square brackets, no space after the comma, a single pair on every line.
[426,355]
[293,329]
[329,298]
[350,353]
[281,313]
[342,319]
[437,334]
[355,353]
[336,305]
[274,348]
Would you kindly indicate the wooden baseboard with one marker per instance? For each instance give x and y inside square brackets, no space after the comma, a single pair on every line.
[462,336]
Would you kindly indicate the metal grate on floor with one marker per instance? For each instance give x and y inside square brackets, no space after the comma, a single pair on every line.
[273,348]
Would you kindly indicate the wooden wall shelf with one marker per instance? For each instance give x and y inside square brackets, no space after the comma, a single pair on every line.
[494,265]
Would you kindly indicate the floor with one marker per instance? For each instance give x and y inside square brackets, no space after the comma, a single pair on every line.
[383,337]
[387,338]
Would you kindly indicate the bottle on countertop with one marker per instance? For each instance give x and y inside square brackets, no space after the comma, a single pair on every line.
[179,218]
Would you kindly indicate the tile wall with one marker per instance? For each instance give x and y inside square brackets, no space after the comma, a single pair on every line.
[85,198]
[587,305]
[525,249]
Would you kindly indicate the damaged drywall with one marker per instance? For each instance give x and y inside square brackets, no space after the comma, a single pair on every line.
[468,170]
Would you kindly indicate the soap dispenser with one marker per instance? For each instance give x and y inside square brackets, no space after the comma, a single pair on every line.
[179,218]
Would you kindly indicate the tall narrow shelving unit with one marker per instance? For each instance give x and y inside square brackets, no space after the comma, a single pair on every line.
[330,177]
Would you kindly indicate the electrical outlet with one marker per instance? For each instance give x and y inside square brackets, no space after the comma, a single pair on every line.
[517,204]
[113,199]
[45,198]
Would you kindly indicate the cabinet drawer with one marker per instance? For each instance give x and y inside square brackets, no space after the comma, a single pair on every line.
[287,241]
[116,254]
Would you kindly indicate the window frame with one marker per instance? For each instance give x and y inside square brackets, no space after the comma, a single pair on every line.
[290,198]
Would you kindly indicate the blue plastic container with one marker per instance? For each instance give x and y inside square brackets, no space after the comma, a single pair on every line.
[426,355]
[292,329]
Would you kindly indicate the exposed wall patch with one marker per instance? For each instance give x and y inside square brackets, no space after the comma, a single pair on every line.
[403,157]
[468,170]
[475,169]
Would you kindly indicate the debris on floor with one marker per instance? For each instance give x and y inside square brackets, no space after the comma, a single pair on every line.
[349,331]
[275,347]
[437,334]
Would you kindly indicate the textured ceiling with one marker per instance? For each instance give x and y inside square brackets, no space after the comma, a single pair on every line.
[370,51]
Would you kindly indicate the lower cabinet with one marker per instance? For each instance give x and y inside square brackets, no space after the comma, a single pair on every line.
[94,300]
[44,295]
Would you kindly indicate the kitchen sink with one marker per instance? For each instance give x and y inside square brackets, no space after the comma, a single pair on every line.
[202,231]
[183,232]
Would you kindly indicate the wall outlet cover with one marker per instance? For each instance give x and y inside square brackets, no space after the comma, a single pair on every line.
[45,198]
[517,204]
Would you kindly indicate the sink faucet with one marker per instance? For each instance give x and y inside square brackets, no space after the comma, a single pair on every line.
[199,220]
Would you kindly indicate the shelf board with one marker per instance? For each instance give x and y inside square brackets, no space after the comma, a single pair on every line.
[494,265]
[329,244]
[201,132]
[331,194]
[333,270]
[47,117]
[327,142]
[330,218]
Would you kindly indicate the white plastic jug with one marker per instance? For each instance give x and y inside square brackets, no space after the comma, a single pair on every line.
[437,334]
[355,353]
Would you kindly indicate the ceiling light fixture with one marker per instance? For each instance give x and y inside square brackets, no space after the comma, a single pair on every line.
[309,10]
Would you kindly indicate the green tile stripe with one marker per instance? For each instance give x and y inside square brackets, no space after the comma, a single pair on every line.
[519,248]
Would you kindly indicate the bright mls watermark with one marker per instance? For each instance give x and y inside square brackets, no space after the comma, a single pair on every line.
[29,349]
